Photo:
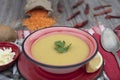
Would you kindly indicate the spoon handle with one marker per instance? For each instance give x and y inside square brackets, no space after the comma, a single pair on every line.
[117,59]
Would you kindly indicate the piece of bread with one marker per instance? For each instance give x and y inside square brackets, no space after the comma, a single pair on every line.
[7,34]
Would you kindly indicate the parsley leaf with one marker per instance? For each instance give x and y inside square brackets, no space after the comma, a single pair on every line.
[60,46]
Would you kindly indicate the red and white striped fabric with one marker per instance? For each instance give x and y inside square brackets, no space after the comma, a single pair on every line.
[97,29]
[22,34]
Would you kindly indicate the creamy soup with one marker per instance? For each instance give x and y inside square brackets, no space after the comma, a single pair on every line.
[44,51]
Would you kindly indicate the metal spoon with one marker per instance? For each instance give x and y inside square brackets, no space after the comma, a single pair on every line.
[110,43]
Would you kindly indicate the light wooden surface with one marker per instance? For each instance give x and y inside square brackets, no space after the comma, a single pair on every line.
[92,3]
[11,12]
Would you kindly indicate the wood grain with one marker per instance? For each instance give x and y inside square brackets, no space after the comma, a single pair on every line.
[12,11]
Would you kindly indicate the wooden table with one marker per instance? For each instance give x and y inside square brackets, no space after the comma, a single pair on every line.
[12,11]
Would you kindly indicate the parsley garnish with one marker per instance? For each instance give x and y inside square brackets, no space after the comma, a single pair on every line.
[60,46]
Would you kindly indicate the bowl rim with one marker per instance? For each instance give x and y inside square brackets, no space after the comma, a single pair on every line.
[63,66]
[16,54]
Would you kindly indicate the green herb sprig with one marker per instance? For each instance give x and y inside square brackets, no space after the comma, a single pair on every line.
[60,46]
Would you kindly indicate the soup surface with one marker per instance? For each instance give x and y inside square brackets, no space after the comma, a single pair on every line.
[43,50]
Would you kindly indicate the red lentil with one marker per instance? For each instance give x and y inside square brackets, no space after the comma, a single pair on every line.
[38,19]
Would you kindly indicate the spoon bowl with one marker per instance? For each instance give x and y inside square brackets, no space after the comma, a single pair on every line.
[110,43]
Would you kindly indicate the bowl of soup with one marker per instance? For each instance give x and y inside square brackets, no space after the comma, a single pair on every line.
[60,50]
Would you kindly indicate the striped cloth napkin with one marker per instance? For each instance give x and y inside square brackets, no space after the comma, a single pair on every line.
[97,29]
[110,67]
